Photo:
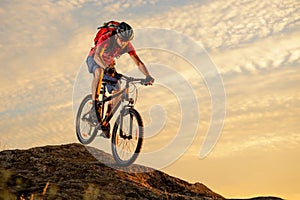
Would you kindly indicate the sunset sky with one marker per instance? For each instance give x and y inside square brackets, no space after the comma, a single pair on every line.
[253,45]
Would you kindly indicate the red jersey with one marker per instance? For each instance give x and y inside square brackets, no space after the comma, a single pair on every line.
[111,48]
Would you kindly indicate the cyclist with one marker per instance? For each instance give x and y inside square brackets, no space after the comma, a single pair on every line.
[101,62]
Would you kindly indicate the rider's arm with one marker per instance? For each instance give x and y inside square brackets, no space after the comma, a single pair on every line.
[142,68]
[140,64]
[98,56]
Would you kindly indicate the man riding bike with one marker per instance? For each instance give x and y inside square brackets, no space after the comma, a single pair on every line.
[101,62]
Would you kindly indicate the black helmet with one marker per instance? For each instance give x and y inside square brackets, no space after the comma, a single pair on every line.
[125,32]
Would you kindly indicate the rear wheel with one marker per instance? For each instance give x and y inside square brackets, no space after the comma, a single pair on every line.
[127,137]
[84,129]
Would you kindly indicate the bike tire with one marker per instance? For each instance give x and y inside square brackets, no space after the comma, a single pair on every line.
[83,127]
[116,137]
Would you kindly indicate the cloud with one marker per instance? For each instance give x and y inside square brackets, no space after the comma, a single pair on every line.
[30,25]
[230,30]
[262,113]
[241,36]
[37,111]
[228,24]
[270,53]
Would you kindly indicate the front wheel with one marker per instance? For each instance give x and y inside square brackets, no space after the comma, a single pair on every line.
[127,137]
[84,129]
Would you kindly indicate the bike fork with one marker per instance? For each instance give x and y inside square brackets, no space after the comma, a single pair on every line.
[130,125]
[121,122]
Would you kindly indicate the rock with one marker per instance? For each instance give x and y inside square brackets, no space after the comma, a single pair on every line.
[71,172]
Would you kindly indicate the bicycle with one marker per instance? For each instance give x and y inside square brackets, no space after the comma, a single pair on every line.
[128,131]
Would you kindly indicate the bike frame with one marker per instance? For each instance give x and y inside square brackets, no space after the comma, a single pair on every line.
[125,97]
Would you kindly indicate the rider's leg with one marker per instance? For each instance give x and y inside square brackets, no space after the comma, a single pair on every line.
[98,74]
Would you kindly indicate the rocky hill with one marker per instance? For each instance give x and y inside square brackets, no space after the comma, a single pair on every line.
[71,172]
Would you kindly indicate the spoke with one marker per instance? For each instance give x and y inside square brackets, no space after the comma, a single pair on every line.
[120,143]
[85,128]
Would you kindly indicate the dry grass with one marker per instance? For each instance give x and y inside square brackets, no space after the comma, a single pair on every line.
[5,192]
[49,190]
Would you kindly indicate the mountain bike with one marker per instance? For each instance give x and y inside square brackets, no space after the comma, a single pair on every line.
[128,131]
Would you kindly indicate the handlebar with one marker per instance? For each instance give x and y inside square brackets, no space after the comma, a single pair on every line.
[132,79]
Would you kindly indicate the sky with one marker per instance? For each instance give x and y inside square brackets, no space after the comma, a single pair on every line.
[253,46]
